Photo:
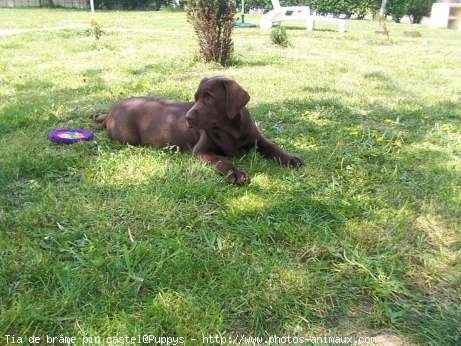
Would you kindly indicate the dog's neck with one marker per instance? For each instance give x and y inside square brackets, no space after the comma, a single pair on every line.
[227,135]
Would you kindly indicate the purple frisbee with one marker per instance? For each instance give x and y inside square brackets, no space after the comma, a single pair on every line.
[70,136]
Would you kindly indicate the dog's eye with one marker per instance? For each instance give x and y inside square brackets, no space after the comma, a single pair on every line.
[208,98]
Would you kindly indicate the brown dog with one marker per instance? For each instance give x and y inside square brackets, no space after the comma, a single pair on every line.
[214,128]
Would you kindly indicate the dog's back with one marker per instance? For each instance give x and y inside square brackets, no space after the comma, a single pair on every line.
[148,120]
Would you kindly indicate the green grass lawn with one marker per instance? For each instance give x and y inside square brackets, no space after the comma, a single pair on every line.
[107,239]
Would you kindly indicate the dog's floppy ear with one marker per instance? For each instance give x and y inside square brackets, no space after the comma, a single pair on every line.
[200,87]
[236,98]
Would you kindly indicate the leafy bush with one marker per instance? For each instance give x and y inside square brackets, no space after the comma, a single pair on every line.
[348,7]
[331,6]
[417,9]
[362,7]
[128,4]
[397,8]
[279,36]
[95,29]
[213,21]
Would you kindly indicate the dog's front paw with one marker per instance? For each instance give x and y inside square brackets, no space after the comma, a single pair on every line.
[295,162]
[291,161]
[238,177]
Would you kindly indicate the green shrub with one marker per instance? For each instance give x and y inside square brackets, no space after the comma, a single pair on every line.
[279,36]
[348,7]
[95,29]
[213,21]
[417,9]
[129,4]
[397,9]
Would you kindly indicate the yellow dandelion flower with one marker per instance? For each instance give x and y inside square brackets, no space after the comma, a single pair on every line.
[379,139]
[354,133]
[388,121]
[397,143]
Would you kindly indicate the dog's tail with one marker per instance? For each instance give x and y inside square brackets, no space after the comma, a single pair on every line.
[99,120]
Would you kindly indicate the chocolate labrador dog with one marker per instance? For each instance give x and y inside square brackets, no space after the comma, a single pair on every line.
[214,128]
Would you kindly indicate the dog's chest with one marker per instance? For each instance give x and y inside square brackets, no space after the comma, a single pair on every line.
[228,143]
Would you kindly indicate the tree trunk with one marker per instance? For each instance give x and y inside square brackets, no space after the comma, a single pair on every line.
[382,17]
[382,11]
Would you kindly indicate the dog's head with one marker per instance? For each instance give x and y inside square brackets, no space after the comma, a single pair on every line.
[217,100]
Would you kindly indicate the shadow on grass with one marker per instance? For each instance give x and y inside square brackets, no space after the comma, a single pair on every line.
[240,60]
[40,106]
[294,27]
[416,178]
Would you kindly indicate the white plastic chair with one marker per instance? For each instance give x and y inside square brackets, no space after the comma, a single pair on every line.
[279,14]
